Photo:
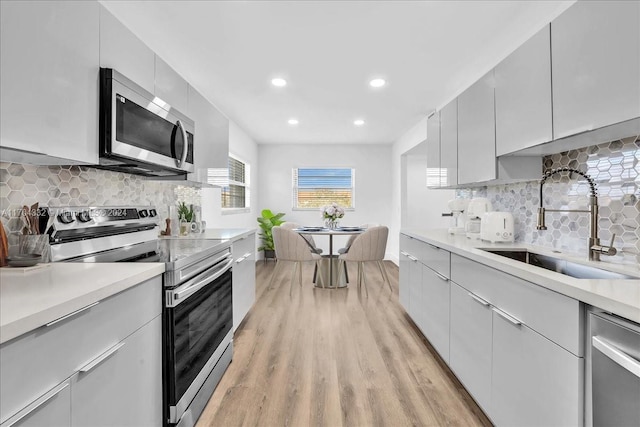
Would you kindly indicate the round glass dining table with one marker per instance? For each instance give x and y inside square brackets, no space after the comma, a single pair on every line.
[331,257]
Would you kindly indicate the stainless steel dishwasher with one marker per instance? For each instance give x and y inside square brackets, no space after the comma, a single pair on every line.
[613,371]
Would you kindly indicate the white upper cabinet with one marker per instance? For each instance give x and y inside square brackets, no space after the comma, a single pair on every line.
[523,96]
[595,49]
[211,136]
[49,56]
[476,132]
[433,150]
[170,87]
[449,144]
[123,51]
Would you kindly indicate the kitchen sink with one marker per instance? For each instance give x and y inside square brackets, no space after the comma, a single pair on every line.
[558,265]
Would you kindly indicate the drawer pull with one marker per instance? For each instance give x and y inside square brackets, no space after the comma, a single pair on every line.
[243,257]
[507,317]
[60,319]
[404,253]
[479,300]
[412,258]
[104,356]
[35,405]
[440,276]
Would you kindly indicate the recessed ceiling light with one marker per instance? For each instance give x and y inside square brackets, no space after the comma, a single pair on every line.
[293,121]
[358,122]
[279,82]
[377,83]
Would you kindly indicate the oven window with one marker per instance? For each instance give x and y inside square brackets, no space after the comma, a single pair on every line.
[197,327]
[141,128]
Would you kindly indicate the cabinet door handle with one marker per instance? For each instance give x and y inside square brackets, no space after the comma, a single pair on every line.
[412,258]
[440,276]
[35,405]
[617,355]
[104,356]
[507,317]
[239,260]
[60,319]
[479,300]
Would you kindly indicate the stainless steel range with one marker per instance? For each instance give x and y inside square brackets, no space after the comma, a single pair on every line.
[197,313]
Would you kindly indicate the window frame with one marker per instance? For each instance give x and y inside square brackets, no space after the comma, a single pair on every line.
[295,188]
[246,185]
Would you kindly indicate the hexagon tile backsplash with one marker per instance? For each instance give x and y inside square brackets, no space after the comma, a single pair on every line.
[615,167]
[22,184]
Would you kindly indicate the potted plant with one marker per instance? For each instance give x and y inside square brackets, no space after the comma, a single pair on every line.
[267,221]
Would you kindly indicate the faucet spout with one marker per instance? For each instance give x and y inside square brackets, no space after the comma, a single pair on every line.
[594,248]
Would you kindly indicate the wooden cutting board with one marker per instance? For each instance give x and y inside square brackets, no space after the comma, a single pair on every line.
[4,246]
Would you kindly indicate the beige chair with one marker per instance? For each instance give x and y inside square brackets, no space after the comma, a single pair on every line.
[350,242]
[353,237]
[312,244]
[368,246]
[291,246]
[309,239]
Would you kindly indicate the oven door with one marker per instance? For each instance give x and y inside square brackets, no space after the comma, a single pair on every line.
[198,318]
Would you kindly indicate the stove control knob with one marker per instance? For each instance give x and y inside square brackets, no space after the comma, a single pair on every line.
[66,217]
[153,213]
[84,216]
[143,213]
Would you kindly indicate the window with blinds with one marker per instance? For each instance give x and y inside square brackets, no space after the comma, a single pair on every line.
[235,194]
[317,187]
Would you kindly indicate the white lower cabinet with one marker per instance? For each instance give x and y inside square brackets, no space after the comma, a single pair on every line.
[52,409]
[534,382]
[100,365]
[470,343]
[517,347]
[244,277]
[410,292]
[123,385]
[434,313]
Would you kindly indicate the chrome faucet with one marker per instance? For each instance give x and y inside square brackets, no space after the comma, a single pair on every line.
[595,249]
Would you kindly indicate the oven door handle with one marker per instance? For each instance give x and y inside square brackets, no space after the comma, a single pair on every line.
[180,296]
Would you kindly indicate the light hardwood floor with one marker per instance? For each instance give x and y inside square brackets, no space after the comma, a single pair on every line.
[334,357]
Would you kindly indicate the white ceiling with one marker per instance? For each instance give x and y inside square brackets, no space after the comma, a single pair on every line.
[428,51]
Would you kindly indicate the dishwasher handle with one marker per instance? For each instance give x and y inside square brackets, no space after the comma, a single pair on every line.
[616,355]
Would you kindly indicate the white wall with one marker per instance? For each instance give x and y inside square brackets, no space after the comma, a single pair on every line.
[241,145]
[373,199]
[411,202]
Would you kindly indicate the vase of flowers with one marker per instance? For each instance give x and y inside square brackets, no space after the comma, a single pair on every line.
[331,214]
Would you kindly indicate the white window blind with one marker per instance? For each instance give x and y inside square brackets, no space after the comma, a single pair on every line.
[235,188]
[317,187]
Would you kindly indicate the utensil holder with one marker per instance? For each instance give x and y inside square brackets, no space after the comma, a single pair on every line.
[35,244]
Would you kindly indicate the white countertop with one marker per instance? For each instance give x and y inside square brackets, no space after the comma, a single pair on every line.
[232,234]
[618,296]
[30,298]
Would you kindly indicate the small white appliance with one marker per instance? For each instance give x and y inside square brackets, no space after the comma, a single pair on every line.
[478,206]
[497,227]
[457,207]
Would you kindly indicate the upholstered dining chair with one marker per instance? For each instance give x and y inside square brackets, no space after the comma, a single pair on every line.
[369,246]
[291,246]
[345,249]
[312,243]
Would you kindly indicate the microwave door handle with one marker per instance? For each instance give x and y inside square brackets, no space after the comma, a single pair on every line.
[185,146]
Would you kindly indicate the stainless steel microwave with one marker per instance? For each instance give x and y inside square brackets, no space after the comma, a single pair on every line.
[141,134]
